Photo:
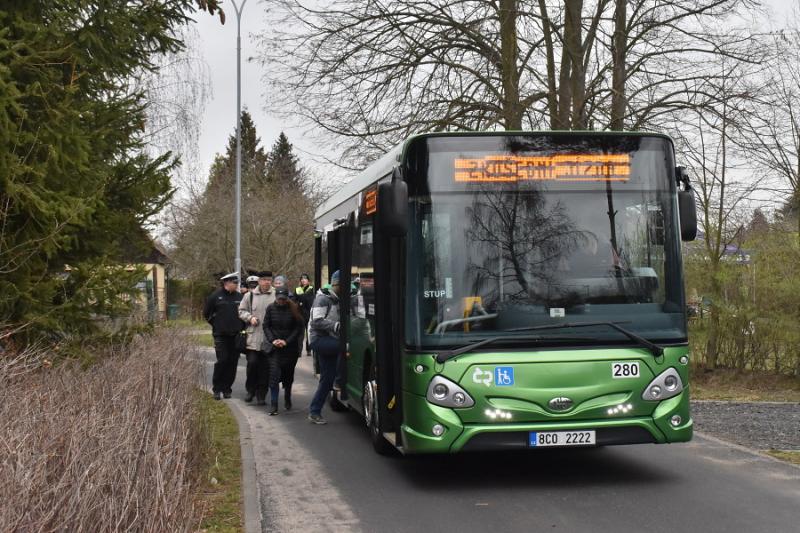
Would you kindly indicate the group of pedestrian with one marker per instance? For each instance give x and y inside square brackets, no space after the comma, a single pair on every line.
[275,322]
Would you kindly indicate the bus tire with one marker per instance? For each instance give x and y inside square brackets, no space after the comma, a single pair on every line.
[369,404]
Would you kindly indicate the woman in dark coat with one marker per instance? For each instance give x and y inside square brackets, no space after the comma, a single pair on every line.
[283,326]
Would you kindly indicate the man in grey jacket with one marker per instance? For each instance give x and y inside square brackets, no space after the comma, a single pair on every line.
[323,338]
[251,312]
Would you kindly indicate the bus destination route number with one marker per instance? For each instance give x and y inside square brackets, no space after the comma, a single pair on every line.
[539,439]
[625,370]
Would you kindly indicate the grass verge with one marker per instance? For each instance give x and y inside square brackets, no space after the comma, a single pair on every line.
[205,339]
[789,457]
[735,385]
[187,323]
[221,492]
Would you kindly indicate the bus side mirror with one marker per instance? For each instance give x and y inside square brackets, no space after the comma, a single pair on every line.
[687,209]
[393,206]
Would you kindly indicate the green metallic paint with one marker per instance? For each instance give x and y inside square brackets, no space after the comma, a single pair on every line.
[584,375]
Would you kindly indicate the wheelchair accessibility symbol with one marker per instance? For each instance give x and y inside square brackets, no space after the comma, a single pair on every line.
[504,376]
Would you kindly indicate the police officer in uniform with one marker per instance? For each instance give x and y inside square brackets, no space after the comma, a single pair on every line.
[222,312]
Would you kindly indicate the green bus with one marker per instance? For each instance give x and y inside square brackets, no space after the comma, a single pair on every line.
[513,290]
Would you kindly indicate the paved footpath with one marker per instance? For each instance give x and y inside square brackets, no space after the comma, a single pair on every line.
[293,493]
[308,478]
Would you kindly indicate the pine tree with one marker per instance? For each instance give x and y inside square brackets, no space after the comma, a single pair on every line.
[277,214]
[75,182]
[283,165]
[254,162]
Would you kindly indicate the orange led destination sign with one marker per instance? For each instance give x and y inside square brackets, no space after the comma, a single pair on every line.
[558,167]
[371,201]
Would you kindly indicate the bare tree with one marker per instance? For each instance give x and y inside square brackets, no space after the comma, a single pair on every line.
[371,73]
[278,203]
[773,135]
[710,140]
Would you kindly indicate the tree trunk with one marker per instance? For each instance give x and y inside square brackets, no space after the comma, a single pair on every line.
[574,47]
[552,95]
[509,51]
[619,55]
[564,76]
[572,102]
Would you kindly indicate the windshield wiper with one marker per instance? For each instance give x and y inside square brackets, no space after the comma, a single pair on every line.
[441,357]
[655,349]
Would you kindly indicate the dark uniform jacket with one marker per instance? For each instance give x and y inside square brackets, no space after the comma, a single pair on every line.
[305,299]
[280,323]
[222,312]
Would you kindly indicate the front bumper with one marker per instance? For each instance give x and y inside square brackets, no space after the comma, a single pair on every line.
[420,416]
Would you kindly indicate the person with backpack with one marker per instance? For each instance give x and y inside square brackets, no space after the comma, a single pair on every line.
[221,311]
[323,338]
[282,328]
[251,311]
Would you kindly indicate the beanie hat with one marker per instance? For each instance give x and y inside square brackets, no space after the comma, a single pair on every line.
[335,277]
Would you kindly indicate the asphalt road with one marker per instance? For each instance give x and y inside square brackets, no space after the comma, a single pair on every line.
[327,478]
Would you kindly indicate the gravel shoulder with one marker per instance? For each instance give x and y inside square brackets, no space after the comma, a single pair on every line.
[758,425]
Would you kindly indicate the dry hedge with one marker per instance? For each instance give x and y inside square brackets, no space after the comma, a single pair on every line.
[116,447]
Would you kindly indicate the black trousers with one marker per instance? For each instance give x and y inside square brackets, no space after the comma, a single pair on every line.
[287,363]
[257,374]
[225,367]
[274,369]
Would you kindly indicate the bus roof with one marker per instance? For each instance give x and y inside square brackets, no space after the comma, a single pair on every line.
[383,166]
[363,179]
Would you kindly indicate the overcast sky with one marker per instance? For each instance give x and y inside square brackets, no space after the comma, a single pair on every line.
[218,44]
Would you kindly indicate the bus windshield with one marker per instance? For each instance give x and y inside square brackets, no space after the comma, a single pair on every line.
[510,232]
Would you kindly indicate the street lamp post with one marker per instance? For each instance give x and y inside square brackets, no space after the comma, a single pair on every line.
[238,260]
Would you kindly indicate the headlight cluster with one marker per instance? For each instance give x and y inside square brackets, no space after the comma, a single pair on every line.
[665,385]
[445,393]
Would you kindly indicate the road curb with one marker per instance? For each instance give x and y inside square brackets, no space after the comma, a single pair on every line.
[250,496]
[744,449]
[754,402]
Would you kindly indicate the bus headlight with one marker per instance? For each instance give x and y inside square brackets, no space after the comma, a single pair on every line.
[440,391]
[665,385]
[445,393]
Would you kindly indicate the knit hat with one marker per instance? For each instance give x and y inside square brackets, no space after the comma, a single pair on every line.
[335,277]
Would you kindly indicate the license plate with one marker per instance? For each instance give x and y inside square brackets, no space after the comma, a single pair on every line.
[540,439]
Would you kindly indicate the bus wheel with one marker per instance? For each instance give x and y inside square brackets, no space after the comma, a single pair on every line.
[369,401]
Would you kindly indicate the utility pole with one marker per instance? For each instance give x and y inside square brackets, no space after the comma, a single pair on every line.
[238,260]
